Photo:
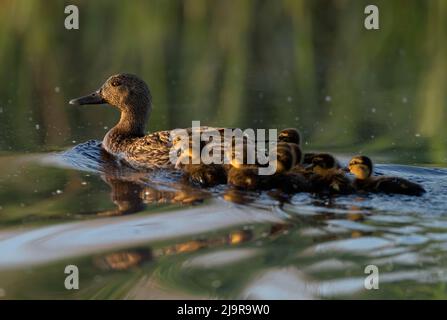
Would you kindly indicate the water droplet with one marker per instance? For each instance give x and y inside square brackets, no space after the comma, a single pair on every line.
[328,98]
[404,100]
[37,126]
[59,191]
[57,89]
[106,127]
[417,135]
[373,110]
[289,99]
[84,183]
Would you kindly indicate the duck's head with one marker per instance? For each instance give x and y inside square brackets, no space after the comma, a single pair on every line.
[361,167]
[322,163]
[290,135]
[125,91]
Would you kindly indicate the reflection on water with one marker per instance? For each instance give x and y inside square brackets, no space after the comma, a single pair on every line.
[149,235]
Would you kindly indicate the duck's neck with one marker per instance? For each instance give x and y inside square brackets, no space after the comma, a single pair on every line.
[132,124]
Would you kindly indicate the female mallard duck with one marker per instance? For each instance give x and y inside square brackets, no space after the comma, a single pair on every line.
[127,140]
[326,177]
[362,167]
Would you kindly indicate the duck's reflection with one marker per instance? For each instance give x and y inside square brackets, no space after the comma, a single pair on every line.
[127,259]
[132,191]
[123,260]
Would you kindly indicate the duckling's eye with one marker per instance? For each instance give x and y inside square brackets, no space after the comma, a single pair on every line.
[116,83]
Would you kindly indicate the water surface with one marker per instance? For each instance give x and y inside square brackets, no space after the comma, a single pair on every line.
[148,235]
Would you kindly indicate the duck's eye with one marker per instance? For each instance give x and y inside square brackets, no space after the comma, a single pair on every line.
[116,83]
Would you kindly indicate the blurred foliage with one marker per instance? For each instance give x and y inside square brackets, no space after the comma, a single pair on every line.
[264,64]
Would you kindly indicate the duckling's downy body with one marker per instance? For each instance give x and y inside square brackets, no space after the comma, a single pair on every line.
[326,177]
[204,175]
[362,168]
[288,155]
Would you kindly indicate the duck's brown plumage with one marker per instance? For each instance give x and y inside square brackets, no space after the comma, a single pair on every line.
[128,140]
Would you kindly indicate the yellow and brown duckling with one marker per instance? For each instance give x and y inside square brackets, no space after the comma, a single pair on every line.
[204,175]
[326,177]
[289,175]
[362,168]
[290,135]
[288,155]
[242,171]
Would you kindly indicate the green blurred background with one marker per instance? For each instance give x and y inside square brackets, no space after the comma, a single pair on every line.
[251,63]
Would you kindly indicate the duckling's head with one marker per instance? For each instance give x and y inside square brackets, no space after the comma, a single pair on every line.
[323,162]
[291,135]
[125,91]
[361,167]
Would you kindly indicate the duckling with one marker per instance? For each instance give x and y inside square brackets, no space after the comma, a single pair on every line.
[204,175]
[291,180]
[362,167]
[241,155]
[247,178]
[308,159]
[326,177]
[290,135]
[288,155]
[127,140]
[243,168]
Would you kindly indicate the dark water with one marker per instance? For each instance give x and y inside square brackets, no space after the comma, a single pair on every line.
[147,235]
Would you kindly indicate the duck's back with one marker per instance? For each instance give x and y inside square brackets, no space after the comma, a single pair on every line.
[154,149]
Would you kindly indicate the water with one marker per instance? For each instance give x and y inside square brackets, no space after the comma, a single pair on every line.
[248,64]
[148,235]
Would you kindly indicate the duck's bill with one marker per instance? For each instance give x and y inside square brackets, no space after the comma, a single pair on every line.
[93,98]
